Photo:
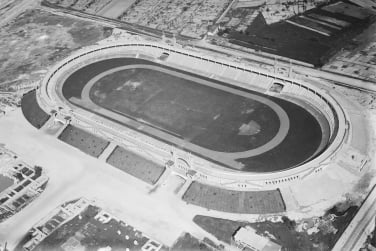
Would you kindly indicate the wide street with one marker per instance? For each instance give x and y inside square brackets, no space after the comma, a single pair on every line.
[74,174]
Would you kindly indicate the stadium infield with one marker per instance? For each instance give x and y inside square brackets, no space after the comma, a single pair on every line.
[193,112]
[198,113]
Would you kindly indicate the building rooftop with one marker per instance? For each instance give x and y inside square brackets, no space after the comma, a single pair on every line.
[5,182]
[247,238]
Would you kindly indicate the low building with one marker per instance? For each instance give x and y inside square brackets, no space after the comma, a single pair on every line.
[84,227]
[246,238]
[20,184]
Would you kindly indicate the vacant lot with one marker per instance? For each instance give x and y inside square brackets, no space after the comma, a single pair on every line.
[89,6]
[83,140]
[187,17]
[36,39]
[247,202]
[135,165]
[31,110]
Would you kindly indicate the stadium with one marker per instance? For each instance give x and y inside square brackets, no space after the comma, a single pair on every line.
[215,121]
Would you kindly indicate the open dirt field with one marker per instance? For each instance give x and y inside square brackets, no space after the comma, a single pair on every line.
[36,39]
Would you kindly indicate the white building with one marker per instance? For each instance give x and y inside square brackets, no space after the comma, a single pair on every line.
[246,238]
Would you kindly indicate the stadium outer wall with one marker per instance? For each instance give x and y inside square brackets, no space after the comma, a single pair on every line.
[197,168]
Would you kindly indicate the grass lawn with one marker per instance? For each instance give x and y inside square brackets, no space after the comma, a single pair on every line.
[135,165]
[250,202]
[83,140]
[31,110]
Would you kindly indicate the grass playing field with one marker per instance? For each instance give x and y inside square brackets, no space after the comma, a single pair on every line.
[204,115]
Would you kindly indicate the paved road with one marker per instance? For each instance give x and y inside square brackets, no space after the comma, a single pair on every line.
[356,233]
[74,174]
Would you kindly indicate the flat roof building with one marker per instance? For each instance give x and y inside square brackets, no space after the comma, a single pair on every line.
[5,182]
[246,238]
